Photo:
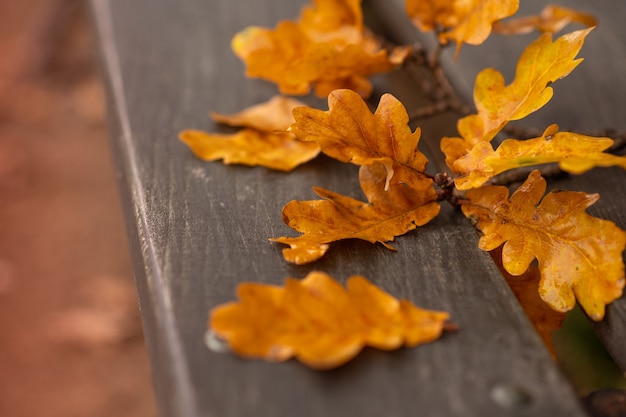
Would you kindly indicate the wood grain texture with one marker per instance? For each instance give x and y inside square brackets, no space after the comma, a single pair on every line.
[197,229]
[589,100]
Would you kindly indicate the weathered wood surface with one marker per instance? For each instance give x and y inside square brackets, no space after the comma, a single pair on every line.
[589,100]
[198,229]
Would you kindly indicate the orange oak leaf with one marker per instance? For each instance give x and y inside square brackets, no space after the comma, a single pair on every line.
[462,21]
[408,202]
[349,132]
[321,323]
[427,15]
[526,290]
[580,256]
[475,19]
[327,20]
[541,63]
[575,153]
[265,140]
[272,115]
[328,48]
[552,19]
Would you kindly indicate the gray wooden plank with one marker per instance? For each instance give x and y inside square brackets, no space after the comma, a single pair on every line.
[197,229]
[588,100]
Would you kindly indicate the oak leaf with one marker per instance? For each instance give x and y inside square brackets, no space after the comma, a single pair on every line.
[580,256]
[552,18]
[575,153]
[272,115]
[541,63]
[427,15]
[408,202]
[328,47]
[349,132]
[265,140]
[319,322]
[526,289]
[462,21]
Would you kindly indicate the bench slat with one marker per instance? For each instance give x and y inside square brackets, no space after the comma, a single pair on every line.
[197,229]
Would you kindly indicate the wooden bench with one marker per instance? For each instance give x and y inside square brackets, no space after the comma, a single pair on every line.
[197,229]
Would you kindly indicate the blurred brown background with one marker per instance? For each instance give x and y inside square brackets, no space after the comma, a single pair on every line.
[71,342]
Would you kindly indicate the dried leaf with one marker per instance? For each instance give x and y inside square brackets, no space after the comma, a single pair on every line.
[270,116]
[408,202]
[552,19]
[526,290]
[462,21]
[541,63]
[475,19]
[320,322]
[279,151]
[264,142]
[427,15]
[575,154]
[580,256]
[349,132]
[328,48]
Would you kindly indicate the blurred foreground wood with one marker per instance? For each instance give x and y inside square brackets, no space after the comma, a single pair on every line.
[198,229]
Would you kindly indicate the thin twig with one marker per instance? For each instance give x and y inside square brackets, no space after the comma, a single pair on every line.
[519,175]
[430,110]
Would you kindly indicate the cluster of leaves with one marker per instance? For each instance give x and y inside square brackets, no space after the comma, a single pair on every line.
[329,49]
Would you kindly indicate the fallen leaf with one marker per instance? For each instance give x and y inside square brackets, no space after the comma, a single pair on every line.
[319,322]
[542,63]
[328,20]
[349,132]
[461,21]
[580,256]
[475,19]
[407,203]
[265,141]
[575,153]
[270,116]
[427,15]
[328,48]
[279,151]
[526,289]
[553,18]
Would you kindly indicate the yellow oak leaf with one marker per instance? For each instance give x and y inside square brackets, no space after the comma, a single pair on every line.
[392,210]
[552,19]
[265,140]
[579,256]
[542,63]
[349,132]
[321,323]
[474,19]
[453,149]
[327,48]
[575,153]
